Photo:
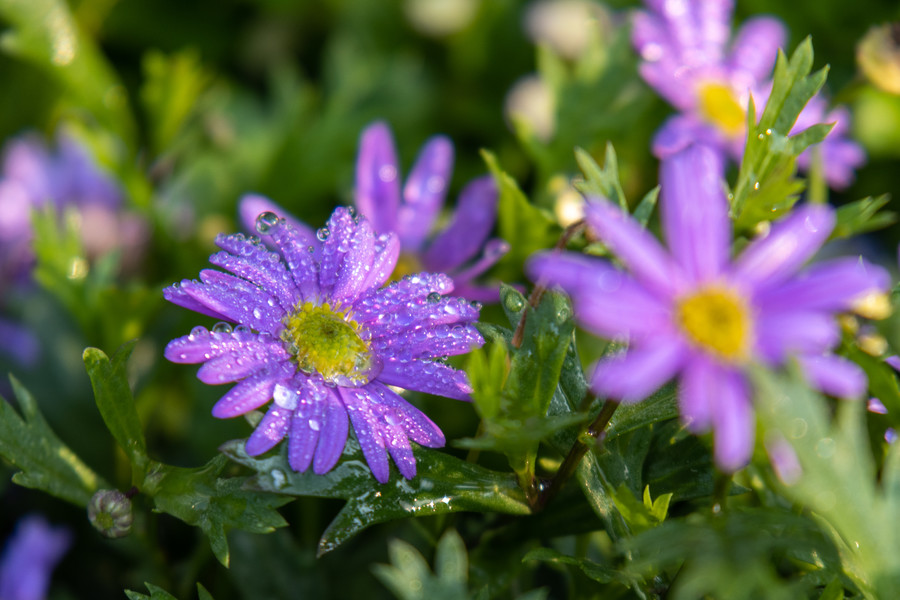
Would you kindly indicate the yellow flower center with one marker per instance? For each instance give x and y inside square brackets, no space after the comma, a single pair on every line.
[719,106]
[718,321]
[324,340]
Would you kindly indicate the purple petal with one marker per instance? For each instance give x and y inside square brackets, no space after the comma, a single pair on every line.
[424,192]
[387,250]
[368,428]
[233,366]
[357,266]
[754,49]
[428,377]
[429,342]
[680,131]
[202,345]
[699,391]
[782,334]
[31,554]
[415,424]
[733,421]
[640,371]
[249,394]
[635,247]
[239,300]
[473,220]
[829,286]
[176,295]
[834,375]
[253,205]
[300,256]
[607,302]
[306,424]
[792,241]
[333,435]
[694,212]
[402,320]
[269,432]
[494,250]
[378,178]
[336,250]
[258,265]
[660,68]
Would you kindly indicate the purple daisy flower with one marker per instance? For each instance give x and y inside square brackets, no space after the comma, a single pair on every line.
[695,313]
[31,554]
[463,250]
[318,333]
[687,59]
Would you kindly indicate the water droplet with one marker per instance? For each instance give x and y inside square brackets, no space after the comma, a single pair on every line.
[514,302]
[285,397]
[278,478]
[314,424]
[476,304]
[257,313]
[266,222]
[563,314]
[199,331]
[323,233]
[434,297]
[242,329]
[222,327]
[392,418]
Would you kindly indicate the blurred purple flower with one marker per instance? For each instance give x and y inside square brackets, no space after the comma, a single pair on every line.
[693,312]
[463,249]
[688,60]
[31,554]
[317,333]
[32,177]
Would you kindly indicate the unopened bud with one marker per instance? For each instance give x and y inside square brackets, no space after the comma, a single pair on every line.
[109,511]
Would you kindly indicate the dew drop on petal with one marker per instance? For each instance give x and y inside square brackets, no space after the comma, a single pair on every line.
[257,313]
[199,331]
[314,424]
[222,327]
[285,397]
[434,297]
[323,233]
[266,222]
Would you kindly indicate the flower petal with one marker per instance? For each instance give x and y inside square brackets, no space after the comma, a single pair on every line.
[19,343]
[301,257]
[683,130]
[639,372]
[694,212]
[251,206]
[733,421]
[634,246]
[830,286]
[834,375]
[754,50]
[424,192]
[426,376]
[368,428]
[269,431]
[387,250]
[176,295]
[378,178]
[258,265]
[249,394]
[202,345]
[239,300]
[429,342]
[770,260]
[473,220]
[417,426]
[333,435]
[781,334]
[306,425]
[357,265]
[607,301]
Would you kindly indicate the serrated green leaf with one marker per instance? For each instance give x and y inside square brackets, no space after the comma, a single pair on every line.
[409,578]
[644,209]
[766,174]
[116,404]
[863,216]
[45,33]
[43,461]
[156,593]
[526,228]
[601,181]
[201,498]
[444,484]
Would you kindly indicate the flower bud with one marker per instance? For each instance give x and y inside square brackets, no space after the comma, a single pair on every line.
[878,55]
[109,511]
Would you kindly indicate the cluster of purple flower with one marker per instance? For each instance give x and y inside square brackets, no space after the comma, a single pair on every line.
[308,324]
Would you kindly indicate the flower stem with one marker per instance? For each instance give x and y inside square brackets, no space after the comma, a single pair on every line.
[597,431]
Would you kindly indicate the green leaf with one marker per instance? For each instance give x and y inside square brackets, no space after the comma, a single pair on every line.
[765,180]
[444,484]
[116,404]
[172,86]
[157,593]
[594,570]
[863,216]
[525,227]
[201,498]
[44,32]
[601,181]
[43,461]
[409,578]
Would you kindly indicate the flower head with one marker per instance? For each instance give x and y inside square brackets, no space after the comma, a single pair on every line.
[688,60]
[29,558]
[463,249]
[316,332]
[694,313]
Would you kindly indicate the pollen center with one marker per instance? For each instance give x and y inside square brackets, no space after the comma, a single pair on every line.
[324,340]
[718,321]
[720,107]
